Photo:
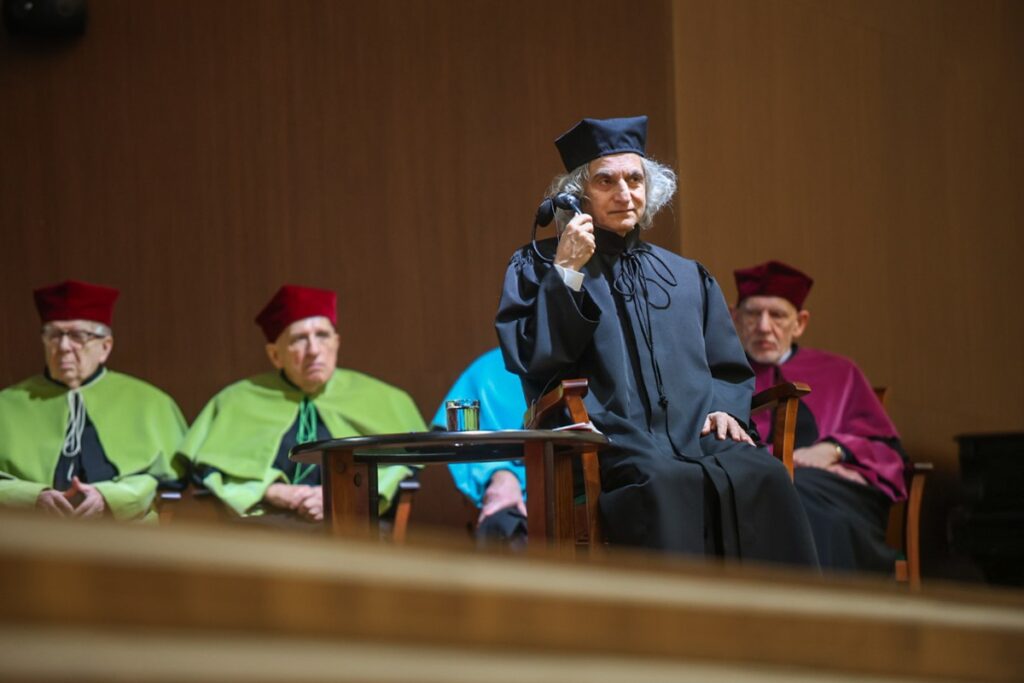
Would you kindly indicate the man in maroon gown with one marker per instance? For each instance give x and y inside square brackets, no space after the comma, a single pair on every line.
[849,465]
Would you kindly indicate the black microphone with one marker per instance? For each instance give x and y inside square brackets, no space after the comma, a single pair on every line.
[562,200]
[568,202]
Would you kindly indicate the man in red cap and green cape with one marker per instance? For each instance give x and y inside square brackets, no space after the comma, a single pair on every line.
[849,465]
[240,442]
[81,440]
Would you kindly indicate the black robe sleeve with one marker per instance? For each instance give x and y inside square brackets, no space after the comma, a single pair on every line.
[543,326]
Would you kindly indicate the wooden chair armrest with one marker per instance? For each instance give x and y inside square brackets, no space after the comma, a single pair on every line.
[786,397]
[546,404]
[772,396]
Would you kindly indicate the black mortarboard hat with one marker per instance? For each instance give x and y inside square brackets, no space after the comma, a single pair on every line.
[593,138]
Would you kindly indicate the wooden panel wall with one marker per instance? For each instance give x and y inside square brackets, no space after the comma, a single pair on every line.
[876,145]
[198,155]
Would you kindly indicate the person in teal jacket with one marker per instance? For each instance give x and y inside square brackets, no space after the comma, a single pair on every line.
[494,487]
[81,440]
[240,442]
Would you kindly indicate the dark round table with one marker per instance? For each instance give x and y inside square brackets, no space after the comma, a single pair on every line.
[349,470]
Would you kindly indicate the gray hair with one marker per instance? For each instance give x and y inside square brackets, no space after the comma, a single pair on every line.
[661,185]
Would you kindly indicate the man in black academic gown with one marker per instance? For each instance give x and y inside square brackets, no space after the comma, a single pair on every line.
[669,384]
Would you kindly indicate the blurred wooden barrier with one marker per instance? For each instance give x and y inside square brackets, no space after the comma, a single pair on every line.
[100,602]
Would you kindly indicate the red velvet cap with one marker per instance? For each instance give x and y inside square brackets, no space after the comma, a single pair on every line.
[292,303]
[74,300]
[773,278]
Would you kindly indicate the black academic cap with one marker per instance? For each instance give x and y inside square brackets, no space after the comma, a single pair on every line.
[593,138]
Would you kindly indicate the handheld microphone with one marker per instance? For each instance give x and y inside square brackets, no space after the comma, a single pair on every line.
[569,202]
[562,200]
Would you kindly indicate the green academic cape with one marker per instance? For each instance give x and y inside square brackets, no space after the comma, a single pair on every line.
[239,431]
[138,426]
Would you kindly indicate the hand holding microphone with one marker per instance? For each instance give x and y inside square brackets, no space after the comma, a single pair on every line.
[576,243]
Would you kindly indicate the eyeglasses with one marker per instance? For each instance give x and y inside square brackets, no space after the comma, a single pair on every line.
[76,337]
[753,316]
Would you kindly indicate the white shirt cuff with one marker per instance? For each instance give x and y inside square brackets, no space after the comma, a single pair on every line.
[573,279]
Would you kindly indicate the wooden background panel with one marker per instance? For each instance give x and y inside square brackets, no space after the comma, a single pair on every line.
[198,155]
[875,145]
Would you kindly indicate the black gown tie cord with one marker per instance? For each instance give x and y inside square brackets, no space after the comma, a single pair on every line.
[635,286]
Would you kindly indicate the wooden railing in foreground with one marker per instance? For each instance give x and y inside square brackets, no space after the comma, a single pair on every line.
[99,602]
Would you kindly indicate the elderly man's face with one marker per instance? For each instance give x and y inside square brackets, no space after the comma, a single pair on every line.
[616,193]
[75,349]
[307,351]
[767,326]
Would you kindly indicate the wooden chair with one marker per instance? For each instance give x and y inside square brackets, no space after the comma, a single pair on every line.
[903,528]
[567,398]
[903,532]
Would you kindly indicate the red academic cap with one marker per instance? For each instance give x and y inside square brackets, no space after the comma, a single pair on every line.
[292,303]
[773,278]
[74,300]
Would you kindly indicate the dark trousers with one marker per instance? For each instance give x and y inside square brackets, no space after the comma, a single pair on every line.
[848,521]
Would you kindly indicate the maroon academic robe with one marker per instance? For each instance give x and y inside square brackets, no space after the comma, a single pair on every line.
[844,410]
[847,519]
